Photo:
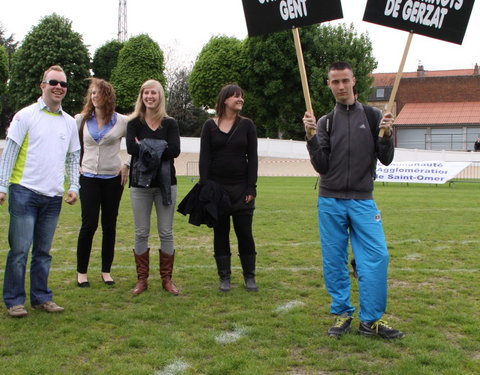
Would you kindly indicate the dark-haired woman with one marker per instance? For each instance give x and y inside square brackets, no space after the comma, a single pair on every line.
[228,156]
[103,175]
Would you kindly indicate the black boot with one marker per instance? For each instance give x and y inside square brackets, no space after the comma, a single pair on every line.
[248,266]
[224,272]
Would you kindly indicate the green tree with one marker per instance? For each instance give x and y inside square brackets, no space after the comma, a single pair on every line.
[339,43]
[51,42]
[139,60]
[273,82]
[266,68]
[3,85]
[5,109]
[3,71]
[9,44]
[275,97]
[190,118]
[222,60]
[105,59]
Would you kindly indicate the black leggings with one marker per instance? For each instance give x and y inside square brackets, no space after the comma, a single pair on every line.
[243,229]
[96,194]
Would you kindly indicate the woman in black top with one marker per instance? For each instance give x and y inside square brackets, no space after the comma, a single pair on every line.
[228,156]
[153,140]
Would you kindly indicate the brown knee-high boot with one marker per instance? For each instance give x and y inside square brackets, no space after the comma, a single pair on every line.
[166,270]
[142,262]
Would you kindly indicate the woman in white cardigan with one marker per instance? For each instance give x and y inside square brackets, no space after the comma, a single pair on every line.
[103,175]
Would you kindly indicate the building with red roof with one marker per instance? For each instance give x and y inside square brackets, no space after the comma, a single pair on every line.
[435,110]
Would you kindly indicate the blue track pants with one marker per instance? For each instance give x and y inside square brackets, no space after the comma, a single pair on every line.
[360,220]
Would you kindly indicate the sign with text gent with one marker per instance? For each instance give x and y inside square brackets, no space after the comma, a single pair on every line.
[268,16]
[440,19]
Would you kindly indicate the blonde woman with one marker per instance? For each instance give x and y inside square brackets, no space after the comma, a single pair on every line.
[153,140]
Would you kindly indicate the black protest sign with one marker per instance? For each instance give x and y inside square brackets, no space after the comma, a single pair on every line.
[267,16]
[440,19]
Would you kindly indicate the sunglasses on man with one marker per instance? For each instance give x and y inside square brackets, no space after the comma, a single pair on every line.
[54,82]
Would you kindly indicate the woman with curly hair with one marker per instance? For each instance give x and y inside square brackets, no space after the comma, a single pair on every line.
[103,175]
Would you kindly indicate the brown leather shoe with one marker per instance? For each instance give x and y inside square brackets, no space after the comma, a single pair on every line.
[142,263]
[166,270]
[17,311]
[49,306]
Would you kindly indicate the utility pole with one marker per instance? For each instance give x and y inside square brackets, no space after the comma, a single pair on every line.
[122,21]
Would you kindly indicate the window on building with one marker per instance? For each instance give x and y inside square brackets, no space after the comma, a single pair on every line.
[380,93]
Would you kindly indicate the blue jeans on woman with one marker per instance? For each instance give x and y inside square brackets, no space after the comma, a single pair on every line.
[33,220]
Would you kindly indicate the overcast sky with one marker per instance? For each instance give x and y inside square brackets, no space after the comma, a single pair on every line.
[183,27]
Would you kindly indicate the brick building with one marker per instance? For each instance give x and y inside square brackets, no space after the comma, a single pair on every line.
[435,110]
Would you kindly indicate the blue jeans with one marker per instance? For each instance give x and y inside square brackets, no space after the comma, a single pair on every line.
[359,221]
[33,219]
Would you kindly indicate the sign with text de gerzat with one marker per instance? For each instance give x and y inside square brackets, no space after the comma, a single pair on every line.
[440,19]
[268,16]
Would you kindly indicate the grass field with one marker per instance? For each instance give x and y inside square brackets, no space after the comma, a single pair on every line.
[434,296]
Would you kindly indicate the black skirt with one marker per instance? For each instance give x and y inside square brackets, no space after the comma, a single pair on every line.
[237,194]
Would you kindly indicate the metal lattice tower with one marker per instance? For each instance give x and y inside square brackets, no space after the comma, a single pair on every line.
[122,21]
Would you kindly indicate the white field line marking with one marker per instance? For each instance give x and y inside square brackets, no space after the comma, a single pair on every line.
[279,269]
[289,306]
[442,247]
[175,368]
[232,336]
[414,256]
[315,244]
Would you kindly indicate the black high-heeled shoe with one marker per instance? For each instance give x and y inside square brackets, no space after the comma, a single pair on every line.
[109,282]
[84,284]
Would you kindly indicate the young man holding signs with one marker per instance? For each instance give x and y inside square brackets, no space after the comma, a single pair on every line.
[344,151]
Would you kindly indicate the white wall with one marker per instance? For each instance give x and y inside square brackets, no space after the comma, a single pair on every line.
[266,147]
[288,149]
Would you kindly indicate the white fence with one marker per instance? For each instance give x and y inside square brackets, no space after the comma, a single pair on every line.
[290,158]
[275,148]
[288,149]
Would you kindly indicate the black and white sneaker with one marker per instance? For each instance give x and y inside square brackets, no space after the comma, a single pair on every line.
[341,326]
[379,328]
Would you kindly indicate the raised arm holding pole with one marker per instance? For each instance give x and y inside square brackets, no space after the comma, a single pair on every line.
[388,110]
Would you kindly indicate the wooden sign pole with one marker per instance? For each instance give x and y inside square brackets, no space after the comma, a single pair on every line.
[397,78]
[303,73]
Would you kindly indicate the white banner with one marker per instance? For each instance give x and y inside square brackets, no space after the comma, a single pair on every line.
[420,172]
